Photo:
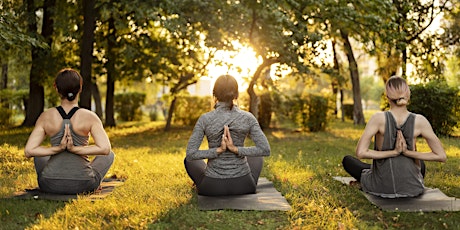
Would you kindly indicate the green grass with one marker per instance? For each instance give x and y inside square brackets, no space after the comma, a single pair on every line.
[157,193]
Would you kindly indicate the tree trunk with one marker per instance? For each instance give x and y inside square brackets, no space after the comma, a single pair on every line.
[404,62]
[253,98]
[342,110]
[86,53]
[109,100]
[4,85]
[170,114]
[97,99]
[335,82]
[358,116]
[36,100]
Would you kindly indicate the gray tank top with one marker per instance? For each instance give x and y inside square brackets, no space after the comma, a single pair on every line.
[396,176]
[66,165]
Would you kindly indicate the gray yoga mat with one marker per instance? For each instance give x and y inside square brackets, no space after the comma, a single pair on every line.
[266,198]
[108,185]
[432,200]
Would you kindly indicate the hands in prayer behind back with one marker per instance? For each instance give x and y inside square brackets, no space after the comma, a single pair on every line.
[227,142]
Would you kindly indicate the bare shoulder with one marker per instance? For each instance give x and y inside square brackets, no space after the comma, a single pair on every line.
[377,118]
[88,115]
[48,116]
[84,121]
[422,126]
[421,120]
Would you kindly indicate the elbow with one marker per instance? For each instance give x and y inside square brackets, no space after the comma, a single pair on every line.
[443,159]
[27,153]
[267,152]
[361,155]
[106,150]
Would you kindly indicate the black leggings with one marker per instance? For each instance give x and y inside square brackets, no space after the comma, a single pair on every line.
[231,186]
[354,167]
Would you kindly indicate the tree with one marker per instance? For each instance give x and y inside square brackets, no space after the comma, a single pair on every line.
[192,39]
[86,52]
[123,45]
[36,101]
[12,40]
[346,21]
[278,32]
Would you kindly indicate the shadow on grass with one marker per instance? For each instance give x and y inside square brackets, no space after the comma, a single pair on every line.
[188,216]
[21,214]
[15,136]
[302,166]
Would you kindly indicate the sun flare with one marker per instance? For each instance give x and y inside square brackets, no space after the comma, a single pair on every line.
[241,64]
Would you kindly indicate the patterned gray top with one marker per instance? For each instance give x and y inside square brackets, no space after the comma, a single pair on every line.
[241,124]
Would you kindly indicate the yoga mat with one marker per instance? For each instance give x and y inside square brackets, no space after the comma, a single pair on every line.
[266,198]
[108,185]
[432,200]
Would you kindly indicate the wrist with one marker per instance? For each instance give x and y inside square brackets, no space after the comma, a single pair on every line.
[220,150]
[234,150]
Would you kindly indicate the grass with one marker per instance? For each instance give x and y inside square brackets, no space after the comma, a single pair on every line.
[157,193]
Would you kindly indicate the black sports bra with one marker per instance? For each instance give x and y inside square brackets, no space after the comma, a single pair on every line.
[67,115]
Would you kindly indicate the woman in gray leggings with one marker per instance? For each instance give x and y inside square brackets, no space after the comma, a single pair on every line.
[231,168]
[64,167]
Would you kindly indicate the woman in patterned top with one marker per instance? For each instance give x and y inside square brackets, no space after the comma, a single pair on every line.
[231,168]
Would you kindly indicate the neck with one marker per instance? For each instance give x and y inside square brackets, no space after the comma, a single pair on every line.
[69,104]
[398,109]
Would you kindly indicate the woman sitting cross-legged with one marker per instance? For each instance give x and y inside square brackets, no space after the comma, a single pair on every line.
[231,168]
[397,169]
[64,167]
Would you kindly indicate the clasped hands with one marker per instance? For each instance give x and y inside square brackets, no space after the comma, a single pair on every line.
[66,141]
[227,142]
[401,145]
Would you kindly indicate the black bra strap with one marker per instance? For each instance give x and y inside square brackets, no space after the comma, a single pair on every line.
[69,115]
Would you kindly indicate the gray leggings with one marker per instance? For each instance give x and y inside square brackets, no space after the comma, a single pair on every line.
[100,165]
[208,186]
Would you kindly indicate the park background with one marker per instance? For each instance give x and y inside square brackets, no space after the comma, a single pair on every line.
[312,72]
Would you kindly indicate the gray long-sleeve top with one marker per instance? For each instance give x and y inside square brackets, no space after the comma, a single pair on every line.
[241,124]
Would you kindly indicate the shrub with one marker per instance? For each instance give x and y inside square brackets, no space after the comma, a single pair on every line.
[310,112]
[348,111]
[5,116]
[317,112]
[439,103]
[189,108]
[128,105]
[265,110]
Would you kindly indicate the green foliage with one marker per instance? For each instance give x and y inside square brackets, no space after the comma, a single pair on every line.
[128,105]
[189,109]
[157,193]
[5,116]
[348,111]
[11,33]
[310,112]
[316,109]
[265,110]
[12,99]
[439,103]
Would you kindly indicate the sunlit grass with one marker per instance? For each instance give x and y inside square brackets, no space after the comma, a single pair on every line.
[157,194]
